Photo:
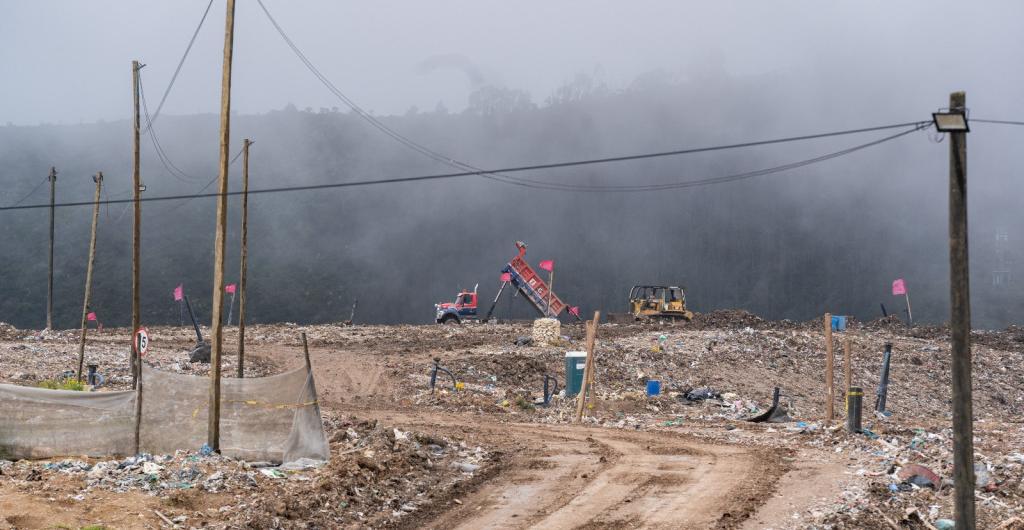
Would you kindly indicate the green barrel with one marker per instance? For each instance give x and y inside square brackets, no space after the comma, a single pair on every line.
[575,361]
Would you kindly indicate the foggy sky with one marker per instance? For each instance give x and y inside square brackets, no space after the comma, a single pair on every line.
[68,61]
[828,237]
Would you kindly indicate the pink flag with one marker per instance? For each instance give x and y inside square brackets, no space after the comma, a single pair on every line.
[91,317]
[229,288]
[548,265]
[899,287]
[179,293]
[506,276]
[574,310]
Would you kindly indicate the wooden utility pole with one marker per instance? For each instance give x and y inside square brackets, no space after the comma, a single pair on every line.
[217,337]
[588,367]
[245,254]
[136,224]
[98,179]
[960,325]
[49,283]
[829,367]
[847,373]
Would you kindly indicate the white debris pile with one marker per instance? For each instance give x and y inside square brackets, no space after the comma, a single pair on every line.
[547,331]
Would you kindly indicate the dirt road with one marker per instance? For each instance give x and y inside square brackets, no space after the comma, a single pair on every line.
[562,476]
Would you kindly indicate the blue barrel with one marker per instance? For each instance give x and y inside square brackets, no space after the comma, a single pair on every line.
[838,323]
[653,387]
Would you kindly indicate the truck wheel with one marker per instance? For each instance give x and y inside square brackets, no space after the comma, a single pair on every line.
[450,321]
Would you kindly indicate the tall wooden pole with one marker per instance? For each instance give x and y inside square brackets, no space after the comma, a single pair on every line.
[588,366]
[829,368]
[245,254]
[847,369]
[551,287]
[960,326]
[217,338]
[88,272]
[49,283]
[137,223]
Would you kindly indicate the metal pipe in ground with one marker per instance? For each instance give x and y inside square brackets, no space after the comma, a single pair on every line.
[854,406]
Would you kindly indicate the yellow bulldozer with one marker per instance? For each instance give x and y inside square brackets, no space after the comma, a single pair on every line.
[659,302]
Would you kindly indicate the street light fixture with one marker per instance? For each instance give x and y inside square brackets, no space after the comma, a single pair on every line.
[951,120]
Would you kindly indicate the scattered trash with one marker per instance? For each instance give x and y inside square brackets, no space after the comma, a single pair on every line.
[700,394]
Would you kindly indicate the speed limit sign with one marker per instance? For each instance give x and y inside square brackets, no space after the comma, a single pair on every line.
[142,341]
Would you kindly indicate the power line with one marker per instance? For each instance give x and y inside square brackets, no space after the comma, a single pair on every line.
[161,155]
[177,70]
[495,175]
[1001,122]
[35,189]
[208,184]
[421,178]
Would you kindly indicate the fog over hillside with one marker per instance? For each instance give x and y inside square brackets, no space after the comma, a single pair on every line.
[826,237]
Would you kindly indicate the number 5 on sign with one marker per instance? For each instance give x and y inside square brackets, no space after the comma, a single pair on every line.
[142,341]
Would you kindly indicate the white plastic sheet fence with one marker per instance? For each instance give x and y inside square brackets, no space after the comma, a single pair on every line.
[272,418]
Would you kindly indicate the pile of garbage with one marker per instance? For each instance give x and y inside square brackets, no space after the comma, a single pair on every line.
[378,476]
[153,474]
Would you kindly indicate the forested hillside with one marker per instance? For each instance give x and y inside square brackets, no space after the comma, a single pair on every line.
[827,237]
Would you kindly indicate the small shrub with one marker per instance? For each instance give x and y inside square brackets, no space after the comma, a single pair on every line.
[524,404]
[62,384]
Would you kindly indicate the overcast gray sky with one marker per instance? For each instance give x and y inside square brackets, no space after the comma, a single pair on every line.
[67,61]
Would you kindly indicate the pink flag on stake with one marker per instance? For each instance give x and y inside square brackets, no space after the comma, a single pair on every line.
[506,276]
[548,265]
[229,288]
[179,293]
[574,310]
[91,317]
[899,287]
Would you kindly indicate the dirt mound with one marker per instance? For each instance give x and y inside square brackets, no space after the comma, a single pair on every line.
[9,332]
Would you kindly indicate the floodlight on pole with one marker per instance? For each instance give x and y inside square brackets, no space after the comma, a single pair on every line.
[951,120]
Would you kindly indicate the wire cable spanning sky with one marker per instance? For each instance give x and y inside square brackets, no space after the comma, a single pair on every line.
[918,126]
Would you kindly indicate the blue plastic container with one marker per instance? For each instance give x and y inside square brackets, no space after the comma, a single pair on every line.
[653,387]
[838,323]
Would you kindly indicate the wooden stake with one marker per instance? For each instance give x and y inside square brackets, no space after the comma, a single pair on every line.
[217,336]
[309,373]
[829,383]
[551,286]
[910,314]
[960,326]
[588,367]
[88,273]
[847,369]
[245,255]
[49,283]
[136,224]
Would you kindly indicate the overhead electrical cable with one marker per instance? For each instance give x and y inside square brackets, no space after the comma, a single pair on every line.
[1000,122]
[35,189]
[177,70]
[620,189]
[495,175]
[161,155]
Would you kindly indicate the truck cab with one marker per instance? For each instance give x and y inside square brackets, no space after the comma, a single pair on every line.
[463,308]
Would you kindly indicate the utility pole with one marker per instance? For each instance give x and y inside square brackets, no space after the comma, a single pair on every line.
[49,284]
[245,254]
[98,179]
[217,339]
[829,371]
[136,224]
[960,324]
